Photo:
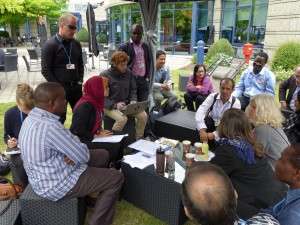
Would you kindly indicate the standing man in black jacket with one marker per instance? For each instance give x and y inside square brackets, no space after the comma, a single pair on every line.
[139,61]
[62,60]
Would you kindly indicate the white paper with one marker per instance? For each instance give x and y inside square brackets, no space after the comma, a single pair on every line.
[179,173]
[12,152]
[139,160]
[110,139]
[145,146]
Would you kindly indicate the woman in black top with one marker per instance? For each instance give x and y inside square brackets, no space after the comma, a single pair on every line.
[243,160]
[87,117]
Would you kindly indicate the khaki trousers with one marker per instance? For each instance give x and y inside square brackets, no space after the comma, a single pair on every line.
[121,120]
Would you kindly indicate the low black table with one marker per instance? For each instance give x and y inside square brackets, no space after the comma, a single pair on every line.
[179,125]
[157,195]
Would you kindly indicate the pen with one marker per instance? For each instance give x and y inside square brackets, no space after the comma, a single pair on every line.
[147,156]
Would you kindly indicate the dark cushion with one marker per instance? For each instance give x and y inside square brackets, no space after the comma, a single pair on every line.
[179,125]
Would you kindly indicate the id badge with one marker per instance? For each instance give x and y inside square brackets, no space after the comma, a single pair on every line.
[70,66]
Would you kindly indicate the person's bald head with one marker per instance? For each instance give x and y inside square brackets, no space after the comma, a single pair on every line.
[50,96]
[208,195]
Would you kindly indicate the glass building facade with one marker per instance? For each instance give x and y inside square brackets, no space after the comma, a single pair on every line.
[244,21]
[177,30]
[180,25]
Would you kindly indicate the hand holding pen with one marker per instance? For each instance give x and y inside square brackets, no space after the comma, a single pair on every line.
[11,142]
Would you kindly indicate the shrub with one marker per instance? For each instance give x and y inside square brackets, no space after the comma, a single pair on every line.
[221,46]
[82,35]
[101,38]
[286,57]
[282,74]
[4,34]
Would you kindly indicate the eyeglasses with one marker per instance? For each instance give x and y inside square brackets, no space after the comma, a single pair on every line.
[71,27]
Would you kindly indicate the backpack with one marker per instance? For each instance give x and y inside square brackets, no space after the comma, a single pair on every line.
[170,106]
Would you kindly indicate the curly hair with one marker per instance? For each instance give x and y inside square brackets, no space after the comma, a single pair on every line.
[24,95]
[266,111]
[119,57]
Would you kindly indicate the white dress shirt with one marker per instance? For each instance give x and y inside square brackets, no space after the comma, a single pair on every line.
[217,111]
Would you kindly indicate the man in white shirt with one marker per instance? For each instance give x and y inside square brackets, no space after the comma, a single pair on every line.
[210,112]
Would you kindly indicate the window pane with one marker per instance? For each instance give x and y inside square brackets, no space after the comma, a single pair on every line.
[229,4]
[242,22]
[257,32]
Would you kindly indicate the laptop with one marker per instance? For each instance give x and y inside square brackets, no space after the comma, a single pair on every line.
[135,108]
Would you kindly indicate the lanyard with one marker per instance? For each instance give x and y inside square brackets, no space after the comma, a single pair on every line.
[65,50]
[21,117]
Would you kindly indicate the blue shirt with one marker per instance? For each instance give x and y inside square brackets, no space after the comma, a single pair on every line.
[161,75]
[253,84]
[44,143]
[287,211]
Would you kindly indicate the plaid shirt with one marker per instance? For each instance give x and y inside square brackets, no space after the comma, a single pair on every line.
[292,127]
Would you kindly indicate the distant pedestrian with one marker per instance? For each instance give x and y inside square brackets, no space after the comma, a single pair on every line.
[139,61]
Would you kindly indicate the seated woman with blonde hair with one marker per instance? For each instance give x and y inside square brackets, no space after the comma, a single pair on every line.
[267,119]
[13,120]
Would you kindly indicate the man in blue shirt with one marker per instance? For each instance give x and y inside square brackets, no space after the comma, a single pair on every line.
[58,165]
[162,86]
[287,170]
[255,80]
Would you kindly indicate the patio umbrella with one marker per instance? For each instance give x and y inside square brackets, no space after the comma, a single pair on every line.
[91,23]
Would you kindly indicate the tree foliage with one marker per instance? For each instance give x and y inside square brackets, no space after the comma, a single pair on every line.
[15,12]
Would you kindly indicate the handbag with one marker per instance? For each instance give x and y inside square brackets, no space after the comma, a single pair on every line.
[8,191]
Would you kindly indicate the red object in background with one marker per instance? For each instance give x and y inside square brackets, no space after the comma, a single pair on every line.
[247,51]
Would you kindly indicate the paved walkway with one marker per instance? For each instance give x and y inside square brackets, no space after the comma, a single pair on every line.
[8,86]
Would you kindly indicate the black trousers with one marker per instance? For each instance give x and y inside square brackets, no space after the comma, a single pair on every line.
[191,97]
[142,88]
[210,127]
[115,150]
[73,94]
[18,172]
[244,102]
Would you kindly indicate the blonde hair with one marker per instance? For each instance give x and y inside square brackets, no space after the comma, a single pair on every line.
[63,19]
[24,95]
[266,111]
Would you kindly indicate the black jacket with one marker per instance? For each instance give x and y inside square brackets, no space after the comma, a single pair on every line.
[128,48]
[287,85]
[83,121]
[54,60]
[12,123]
[255,184]
[122,87]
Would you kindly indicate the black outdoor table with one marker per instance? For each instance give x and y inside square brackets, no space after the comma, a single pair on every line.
[158,195]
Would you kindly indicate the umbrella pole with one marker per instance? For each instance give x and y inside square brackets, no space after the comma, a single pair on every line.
[90,34]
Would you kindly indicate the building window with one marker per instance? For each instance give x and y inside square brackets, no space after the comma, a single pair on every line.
[244,21]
